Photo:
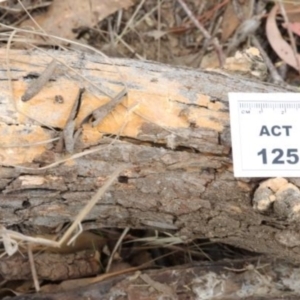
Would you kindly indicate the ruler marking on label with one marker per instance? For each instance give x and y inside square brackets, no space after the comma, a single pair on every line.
[268,105]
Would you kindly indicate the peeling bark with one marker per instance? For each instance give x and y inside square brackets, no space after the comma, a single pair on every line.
[50,266]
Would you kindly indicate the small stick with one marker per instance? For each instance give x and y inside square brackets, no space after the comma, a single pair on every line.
[35,87]
[69,134]
[112,255]
[100,113]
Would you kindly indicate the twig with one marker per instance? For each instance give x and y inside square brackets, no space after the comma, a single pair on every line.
[116,248]
[69,135]
[36,86]
[100,113]
[206,34]
[33,269]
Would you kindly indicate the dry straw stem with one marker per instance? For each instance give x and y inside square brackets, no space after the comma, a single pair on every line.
[125,231]
[33,269]
[161,241]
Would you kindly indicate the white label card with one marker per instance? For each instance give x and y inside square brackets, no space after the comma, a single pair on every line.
[265,134]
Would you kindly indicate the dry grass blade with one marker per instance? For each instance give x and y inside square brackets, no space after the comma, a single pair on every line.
[11,240]
[160,241]
[33,269]
[116,248]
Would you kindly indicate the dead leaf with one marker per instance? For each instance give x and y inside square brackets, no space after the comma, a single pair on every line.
[279,45]
[64,16]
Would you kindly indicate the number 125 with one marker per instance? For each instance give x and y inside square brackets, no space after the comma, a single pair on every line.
[279,157]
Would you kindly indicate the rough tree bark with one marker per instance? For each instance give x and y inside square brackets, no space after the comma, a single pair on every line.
[219,280]
[172,135]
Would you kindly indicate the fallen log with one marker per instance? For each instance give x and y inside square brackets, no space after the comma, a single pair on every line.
[251,279]
[169,129]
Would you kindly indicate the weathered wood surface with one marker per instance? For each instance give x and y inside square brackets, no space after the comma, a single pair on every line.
[171,133]
[251,279]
